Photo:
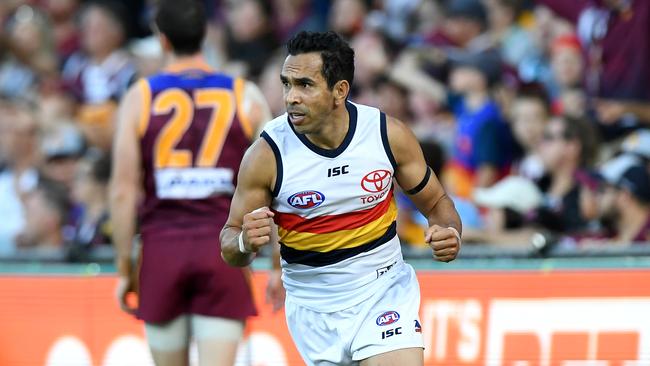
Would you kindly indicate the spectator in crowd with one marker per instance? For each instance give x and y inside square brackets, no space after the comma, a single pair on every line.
[431,120]
[100,73]
[347,17]
[64,30]
[91,224]
[624,201]
[62,146]
[568,147]
[567,66]
[507,206]
[46,211]
[465,26]
[633,206]
[19,145]
[396,17]
[392,98]
[249,35]
[292,16]
[31,56]
[514,42]
[614,37]
[528,118]
[269,85]
[425,65]
[482,149]
[371,62]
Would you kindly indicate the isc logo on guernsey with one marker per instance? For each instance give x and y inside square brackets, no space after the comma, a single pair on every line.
[306,199]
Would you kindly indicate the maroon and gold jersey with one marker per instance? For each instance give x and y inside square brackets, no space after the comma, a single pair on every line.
[192,138]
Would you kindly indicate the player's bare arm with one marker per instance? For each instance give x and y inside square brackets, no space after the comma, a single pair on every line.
[124,188]
[250,216]
[426,192]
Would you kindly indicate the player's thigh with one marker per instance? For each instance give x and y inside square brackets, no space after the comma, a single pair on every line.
[169,341]
[217,339]
[400,357]
[170,358]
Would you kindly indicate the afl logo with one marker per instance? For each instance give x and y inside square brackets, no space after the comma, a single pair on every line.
[376,181]
[306,199]
[387,318]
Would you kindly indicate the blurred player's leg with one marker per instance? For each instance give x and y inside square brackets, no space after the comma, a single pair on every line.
[169,342]
[217,339]
[406,356]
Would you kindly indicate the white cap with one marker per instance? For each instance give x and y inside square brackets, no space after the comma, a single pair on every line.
[612,170]
[638,143]
[514,192]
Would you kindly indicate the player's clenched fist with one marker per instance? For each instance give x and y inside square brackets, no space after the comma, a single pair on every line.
[445,242]
[257,230]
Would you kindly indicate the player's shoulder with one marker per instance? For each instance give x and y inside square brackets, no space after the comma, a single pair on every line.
[364,108]
[276,127]
[257,164]
[401,139]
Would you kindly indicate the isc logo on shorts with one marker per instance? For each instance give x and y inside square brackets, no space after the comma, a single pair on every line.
[387,318]
[306,199]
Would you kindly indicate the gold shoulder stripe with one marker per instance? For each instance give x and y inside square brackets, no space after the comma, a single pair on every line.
[145,115]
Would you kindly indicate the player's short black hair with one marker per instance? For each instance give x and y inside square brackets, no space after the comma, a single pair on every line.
[184,23]
[337,55]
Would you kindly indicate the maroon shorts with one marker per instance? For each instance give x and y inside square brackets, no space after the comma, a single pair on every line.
[185,274]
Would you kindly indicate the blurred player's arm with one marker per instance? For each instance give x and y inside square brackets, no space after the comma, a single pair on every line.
[124,187]
[253,108]
[250,220]
[426,192]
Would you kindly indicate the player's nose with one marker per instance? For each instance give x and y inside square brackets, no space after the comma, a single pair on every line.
[292,97]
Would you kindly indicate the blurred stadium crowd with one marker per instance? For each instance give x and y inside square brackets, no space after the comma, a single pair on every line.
[531,112]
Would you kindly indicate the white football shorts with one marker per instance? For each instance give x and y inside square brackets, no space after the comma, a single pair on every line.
[387,321]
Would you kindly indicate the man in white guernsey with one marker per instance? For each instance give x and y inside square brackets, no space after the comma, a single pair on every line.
[322,175]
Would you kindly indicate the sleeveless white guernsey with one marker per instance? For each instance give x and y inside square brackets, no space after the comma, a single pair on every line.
[335,211]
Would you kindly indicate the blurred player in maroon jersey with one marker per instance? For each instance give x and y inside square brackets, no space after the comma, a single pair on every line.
[180,137]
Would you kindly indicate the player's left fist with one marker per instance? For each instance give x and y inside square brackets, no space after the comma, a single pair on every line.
[445,242]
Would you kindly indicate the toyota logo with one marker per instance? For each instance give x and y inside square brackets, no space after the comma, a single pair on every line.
[376,181]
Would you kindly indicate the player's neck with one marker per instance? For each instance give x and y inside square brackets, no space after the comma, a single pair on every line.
[194,59]
[333,131]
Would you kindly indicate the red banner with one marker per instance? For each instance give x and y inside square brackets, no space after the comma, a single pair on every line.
[595,318]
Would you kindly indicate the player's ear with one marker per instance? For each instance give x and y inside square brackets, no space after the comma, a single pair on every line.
[341,91]
[165,44]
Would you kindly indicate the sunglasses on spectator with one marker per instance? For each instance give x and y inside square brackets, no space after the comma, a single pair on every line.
[553,136]
[549,136]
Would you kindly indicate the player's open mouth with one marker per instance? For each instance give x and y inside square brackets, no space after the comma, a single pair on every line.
[296,118]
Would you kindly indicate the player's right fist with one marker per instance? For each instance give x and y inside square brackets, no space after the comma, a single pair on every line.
[258,229]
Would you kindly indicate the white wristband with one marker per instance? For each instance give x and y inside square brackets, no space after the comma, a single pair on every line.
[242,248]
[460,242]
